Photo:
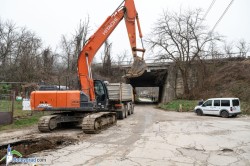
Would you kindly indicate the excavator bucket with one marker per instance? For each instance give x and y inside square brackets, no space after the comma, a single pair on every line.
[137,69]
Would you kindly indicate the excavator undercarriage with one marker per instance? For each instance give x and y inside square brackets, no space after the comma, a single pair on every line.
[91,123]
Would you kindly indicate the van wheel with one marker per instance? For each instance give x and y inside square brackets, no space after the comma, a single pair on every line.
[224,114]
[199,112]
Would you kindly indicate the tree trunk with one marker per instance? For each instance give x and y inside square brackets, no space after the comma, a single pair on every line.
[184,74]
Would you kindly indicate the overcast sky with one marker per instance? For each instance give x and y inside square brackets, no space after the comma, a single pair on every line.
[49,19]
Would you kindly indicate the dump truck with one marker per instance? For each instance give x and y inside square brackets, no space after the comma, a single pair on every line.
[121,99]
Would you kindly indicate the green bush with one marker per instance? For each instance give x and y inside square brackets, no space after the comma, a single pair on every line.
[5,88]
[187,105]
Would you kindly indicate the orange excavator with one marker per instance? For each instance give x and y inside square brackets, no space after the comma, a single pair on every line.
[90,105]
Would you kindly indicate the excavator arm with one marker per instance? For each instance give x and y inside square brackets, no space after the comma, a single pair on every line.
[127,11]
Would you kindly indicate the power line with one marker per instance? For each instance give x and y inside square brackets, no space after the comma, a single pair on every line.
[225,11]
[208,10]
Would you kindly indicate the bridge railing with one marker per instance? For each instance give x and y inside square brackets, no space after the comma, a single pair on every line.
[149,62]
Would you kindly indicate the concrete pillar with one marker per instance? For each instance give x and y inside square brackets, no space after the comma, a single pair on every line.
[168,92]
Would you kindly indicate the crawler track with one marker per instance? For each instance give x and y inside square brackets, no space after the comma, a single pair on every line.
[47,123]
[96,122]
[91,124]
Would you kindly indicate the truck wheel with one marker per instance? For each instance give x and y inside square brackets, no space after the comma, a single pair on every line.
[224,114]
[129,110]
[121,114]
[126,111]
[132,109]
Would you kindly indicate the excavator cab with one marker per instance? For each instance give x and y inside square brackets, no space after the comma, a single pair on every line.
[101,94]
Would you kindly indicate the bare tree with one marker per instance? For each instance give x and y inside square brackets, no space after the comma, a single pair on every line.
[48,61]
[214,51]
[182,39]
[20,53]
[8,39]
[106,65]
[243,48]
[121,58]
[28,62]
[81,34]
[67,48]
[80,38]
[228,49]
[71,48]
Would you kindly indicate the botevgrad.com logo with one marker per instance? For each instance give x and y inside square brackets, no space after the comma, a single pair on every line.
[9,156]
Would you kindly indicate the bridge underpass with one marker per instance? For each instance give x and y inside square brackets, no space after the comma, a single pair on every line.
[153,77]
[162,75]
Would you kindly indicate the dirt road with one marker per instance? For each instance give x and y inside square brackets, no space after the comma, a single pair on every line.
[155,137]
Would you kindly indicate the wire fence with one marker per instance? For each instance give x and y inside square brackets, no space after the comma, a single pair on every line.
[6,107]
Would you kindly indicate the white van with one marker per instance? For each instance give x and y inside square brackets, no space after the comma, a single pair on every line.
[224,107]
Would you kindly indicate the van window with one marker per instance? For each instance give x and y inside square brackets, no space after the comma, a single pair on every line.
[225,102]
[208,103]
[216,102]
[236,102]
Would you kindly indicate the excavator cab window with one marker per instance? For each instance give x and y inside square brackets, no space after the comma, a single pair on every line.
[99,90]
[100,94]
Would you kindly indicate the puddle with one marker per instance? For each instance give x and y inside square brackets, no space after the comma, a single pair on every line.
[29,146]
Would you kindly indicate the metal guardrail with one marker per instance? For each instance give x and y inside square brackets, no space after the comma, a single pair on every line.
[6,108]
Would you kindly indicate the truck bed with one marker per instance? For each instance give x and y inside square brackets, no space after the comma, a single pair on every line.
[120,92]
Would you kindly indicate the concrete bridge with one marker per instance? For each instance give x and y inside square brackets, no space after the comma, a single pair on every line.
[158,74]
[168,78]
[154,76]
[162,75]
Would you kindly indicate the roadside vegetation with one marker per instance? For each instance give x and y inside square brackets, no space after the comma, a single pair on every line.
[245,108]
[22,122]
[188,106]
[179,105]
[227,78]
[22,118]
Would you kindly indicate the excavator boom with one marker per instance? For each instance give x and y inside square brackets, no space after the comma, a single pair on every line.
[127,11]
